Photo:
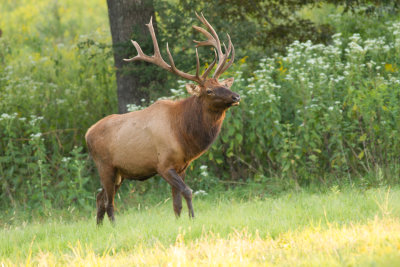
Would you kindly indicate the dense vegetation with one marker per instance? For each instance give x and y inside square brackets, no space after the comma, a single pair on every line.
[314,113]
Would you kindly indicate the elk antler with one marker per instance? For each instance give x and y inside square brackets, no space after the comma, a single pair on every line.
[213,40]
[159,61]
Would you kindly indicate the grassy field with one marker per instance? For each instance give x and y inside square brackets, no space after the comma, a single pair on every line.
[338,227]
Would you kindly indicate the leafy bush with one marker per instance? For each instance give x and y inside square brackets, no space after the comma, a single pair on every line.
[54,83]
[319,111]
[34,176]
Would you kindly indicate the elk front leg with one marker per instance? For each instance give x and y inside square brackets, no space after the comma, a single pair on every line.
[179,187]
[177,201]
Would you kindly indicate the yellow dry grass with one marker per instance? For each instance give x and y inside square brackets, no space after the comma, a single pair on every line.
[374,243]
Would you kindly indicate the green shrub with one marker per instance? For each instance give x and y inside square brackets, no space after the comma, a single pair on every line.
[54,83]
[37,175]
[320,111]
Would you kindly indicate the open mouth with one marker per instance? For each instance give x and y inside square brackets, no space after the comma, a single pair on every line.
[235,103]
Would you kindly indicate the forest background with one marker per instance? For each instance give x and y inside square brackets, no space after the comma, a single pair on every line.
[319,80]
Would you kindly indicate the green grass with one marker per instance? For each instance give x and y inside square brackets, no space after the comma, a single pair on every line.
[302,228]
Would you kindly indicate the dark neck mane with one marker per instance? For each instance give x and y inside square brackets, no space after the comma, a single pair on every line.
[197,126]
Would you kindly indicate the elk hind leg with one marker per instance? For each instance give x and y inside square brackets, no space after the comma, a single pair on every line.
[101,207]
[105,199]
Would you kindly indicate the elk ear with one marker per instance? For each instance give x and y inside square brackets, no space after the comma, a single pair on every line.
[228,82]
[193,89]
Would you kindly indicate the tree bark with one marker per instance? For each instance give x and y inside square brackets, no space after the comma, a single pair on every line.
[128,17]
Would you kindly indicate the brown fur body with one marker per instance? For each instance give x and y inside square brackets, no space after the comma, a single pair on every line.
[168,135]
[163,138]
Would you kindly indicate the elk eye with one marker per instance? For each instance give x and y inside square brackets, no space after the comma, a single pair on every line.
[209,92]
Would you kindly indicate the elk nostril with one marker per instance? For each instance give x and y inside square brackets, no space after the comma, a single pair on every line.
[236,98]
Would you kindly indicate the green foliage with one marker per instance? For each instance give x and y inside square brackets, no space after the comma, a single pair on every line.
[258,28]
[313,114]
[54,84]
[319,111]
[36,175]
[264,26]
[367,7]
[368,25]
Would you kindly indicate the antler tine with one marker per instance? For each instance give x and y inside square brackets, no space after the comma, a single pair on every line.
[229,45]
[153,37]
[207,71]
[221,63]
[213,32]
[156,58]
[230,61]
[140,55]
[213,40]
[197,64]
[210,39]
[222,68]
[171,59]
[188,76]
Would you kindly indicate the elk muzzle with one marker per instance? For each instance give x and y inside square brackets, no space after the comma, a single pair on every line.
[236,99]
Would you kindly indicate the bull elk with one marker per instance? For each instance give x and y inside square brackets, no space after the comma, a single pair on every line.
[167,136]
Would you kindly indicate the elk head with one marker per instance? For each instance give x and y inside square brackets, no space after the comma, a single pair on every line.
[217,94]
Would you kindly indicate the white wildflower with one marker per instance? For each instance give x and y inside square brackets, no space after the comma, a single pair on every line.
[36,135]
[65,159]
[5,116]
[204,173]
[203,167]
[133,107]
[200,193]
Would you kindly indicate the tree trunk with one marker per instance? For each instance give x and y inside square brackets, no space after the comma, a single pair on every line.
[128,17]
